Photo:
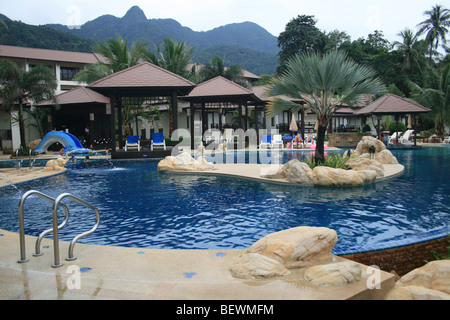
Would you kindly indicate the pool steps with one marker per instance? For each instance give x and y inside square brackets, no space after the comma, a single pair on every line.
[56,203]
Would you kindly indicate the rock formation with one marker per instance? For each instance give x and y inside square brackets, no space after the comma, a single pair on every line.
[184,162]
[334,274]
[363,169]
[430,282]
[278,252]
[57,164]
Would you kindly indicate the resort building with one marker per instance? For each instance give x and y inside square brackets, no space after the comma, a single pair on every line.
[156,100]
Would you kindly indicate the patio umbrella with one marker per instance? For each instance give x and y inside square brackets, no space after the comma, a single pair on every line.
[409,122]
[294,126]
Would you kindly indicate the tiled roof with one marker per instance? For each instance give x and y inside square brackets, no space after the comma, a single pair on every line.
[392,104]
[219,86]
[79,95]
[218,90]
[143,75]
[50,55]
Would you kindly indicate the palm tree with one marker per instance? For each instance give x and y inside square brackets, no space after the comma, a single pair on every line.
[436,26]
[324,82]
[216,67]
[18,87]
[119,57]
[173,56]
[436,95]
[409,47]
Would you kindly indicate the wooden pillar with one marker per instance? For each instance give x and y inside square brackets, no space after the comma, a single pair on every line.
[303,123]
[246,116]
[174,111]
[119,116]
[204,119]
[256,123]
[192,126]
[240,115]
[113,122]
[264,118]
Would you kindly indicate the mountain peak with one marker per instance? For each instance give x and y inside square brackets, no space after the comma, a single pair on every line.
[135,14]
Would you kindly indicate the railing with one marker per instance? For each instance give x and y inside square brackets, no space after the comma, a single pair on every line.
[56,203]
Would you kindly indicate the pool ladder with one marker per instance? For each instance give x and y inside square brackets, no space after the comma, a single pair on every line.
[56,203]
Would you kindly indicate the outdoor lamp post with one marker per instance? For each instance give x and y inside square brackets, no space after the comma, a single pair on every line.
[372,152]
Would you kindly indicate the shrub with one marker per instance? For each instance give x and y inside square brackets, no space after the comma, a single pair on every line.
[393,127]
[333,161]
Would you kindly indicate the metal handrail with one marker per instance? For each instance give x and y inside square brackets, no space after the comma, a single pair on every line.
[23,257]
[55,227]
[71,257]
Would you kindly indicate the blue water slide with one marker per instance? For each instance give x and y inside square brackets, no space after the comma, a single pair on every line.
[68,140]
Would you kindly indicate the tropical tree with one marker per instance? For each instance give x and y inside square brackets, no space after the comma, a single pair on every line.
[300,35]
[173,56]
[119,57]
[436,27]
[410,49]
[324,82]
[18,87]
[435,94]
[216,67]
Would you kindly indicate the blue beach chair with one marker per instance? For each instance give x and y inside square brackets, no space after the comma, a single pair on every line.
[158,140]
[133,142]
[266,141]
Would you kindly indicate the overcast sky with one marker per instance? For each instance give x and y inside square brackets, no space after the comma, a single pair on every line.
[357,17]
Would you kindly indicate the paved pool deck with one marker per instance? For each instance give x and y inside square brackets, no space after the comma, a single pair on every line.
[106,272]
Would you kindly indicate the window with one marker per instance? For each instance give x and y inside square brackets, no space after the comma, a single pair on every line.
[68,73]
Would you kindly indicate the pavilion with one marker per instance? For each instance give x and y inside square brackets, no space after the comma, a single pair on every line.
[143,83]
[79,109]
[220,93]
[391,104]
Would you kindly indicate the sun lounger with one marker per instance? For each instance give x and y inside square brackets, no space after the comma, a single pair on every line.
[265,141]
[158,140]
[277,141]
[133,142]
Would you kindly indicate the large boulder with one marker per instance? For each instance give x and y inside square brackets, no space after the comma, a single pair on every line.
[430,282]
[298,247]
[184,162]
[334,274]
[366,164]
[382,155]
[331,177]
[253,265]
[294,171]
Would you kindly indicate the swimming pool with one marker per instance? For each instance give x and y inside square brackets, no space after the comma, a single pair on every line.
[140,207]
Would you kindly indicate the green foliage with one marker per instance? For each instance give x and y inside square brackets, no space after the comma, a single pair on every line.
[300,36]
[442,256]
[332,161]
[16,33]
[393,127]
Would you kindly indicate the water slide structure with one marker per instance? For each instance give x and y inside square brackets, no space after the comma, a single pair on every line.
[68,140]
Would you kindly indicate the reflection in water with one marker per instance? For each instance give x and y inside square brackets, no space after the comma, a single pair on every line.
[140,207]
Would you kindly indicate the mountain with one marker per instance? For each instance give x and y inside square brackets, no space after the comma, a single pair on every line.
[15,33]
[258,48]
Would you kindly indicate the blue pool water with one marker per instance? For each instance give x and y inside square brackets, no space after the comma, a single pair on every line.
[140,207]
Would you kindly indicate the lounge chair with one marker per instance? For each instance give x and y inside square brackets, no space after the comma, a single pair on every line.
[393,138]
[277,141]
[266,141]
[228,136]
[158,140]
[406,138]
[446,140]
[133,142]
[297,143]
[216,137]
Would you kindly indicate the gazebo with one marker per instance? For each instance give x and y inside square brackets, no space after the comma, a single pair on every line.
[81,108]
[220,93]
[144,82]
[391,104]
